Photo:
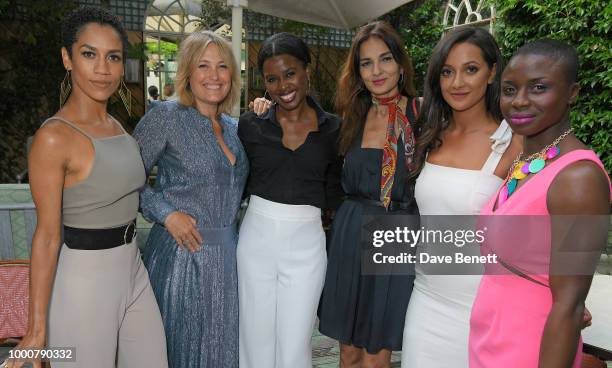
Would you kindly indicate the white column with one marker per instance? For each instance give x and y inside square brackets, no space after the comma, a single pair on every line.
[237,6]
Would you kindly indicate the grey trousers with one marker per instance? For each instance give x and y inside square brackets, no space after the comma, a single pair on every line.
[102,305]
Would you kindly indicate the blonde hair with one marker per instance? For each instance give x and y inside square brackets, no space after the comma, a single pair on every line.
[190,51]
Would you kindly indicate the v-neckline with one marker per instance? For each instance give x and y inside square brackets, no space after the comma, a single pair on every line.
[229,161]
[496,207]
[208,122]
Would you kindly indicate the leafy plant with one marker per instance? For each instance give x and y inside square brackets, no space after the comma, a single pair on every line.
[214,13]
[166,48]
[419,24]
[30,72]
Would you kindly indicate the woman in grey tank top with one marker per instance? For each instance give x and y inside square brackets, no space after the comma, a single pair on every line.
[91,293]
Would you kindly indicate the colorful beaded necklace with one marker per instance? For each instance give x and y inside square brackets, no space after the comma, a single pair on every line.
[533,164]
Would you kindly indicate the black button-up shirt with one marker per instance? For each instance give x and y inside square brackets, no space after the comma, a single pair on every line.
[310,175]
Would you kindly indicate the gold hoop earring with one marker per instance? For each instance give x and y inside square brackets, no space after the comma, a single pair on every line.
[126,97]
[65,88]
[309,91]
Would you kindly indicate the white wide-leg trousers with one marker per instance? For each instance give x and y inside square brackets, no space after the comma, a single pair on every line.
[281,270]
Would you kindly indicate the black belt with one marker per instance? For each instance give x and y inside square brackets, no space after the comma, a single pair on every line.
[97,239]
[393,205]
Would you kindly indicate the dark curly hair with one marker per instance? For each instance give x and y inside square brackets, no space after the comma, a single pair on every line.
[85,15]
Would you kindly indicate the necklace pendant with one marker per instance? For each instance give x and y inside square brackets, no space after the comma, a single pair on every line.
[525,168]
[552,152]
[518,174]
[536,165]
[511,186]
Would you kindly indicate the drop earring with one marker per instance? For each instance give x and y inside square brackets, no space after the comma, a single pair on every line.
[126,97]
[65,88]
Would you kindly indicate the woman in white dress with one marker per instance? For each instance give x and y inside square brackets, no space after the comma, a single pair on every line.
[464,153]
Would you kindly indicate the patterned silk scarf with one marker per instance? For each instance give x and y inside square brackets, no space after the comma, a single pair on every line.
[389,161]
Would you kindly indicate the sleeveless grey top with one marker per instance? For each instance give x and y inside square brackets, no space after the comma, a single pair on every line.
[108,197]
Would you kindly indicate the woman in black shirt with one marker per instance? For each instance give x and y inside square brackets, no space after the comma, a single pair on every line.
[294,174]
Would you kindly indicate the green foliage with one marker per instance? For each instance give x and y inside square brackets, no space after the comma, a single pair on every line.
[585,24]
[137,51]
[421,28]
[168,49]
[214,12]
[30,72]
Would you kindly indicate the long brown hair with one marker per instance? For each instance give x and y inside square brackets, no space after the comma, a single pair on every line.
[436,113]
[353,100]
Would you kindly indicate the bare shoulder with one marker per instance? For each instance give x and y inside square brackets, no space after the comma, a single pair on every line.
[53,131]
[580,188]
[52,139]
[583,173]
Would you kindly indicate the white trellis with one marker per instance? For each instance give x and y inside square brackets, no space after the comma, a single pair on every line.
[168,21]
[461,13]
[173,17]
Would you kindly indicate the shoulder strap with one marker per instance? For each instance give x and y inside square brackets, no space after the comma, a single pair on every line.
[502,139]
[492,161]
[72,125]
[118,123]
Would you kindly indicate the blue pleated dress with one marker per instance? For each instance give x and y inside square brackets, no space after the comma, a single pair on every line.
[197,293]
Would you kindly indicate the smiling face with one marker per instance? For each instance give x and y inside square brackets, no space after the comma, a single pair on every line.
[465,76]
[210,78]
[286,80]
[378,69]
[96,63]
[535,93]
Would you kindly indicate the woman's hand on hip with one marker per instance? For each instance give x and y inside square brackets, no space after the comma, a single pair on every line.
[183,229]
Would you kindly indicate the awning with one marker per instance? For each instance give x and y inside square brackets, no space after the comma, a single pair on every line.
[328,13]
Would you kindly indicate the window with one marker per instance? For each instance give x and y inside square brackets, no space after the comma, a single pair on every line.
[461,13]
[167,23]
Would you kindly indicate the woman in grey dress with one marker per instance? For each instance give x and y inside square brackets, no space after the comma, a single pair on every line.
[202,170]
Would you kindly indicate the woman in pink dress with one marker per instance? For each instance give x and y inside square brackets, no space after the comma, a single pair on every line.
[530,316]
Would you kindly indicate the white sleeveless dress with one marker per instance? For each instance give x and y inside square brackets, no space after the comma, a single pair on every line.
[437,322]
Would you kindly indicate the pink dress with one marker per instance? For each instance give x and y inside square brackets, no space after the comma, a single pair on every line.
[510,312]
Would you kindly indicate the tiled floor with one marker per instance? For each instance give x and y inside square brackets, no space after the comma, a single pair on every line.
[325,352]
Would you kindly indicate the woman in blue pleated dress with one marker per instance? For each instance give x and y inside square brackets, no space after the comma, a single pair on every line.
[202,169]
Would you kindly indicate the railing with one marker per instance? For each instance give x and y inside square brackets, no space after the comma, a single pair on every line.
[17,225]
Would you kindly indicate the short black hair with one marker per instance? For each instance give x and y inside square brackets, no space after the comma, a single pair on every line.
[153,91]
[82,16]
[283,43]
[554,49]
